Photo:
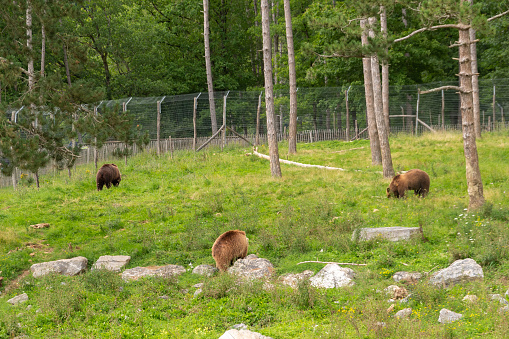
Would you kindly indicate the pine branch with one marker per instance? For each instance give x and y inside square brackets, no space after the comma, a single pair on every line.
[432,28]
[498,16]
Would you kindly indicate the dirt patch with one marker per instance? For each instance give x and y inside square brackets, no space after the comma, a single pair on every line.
[15,284]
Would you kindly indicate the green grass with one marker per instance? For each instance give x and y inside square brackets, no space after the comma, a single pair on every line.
[170,211]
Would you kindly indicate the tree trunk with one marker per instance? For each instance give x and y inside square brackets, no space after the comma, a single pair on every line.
[473,173]
[66,64]
[208,66]
[292,133]
[475,82]
[374,140]
[385,71]
[388,170]
[30,67]
[275,168]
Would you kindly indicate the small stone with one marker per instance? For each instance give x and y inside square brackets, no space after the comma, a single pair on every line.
[470,298]
[404,313]
[447,316]
[18,299]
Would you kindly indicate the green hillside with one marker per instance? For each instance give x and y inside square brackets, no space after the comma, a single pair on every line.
[170,211]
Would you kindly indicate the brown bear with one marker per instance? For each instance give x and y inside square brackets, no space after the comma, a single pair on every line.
[415,179]
[228,247]
[107,175]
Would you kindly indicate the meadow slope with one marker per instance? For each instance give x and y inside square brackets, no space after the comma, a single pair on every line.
[169,210]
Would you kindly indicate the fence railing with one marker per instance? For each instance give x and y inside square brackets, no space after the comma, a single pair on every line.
[170,145]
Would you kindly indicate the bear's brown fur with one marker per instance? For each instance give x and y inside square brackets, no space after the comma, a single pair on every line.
[228,247]
[107,175]
[416,180]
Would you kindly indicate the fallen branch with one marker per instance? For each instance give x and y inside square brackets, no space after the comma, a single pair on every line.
[255,152]
[331,262]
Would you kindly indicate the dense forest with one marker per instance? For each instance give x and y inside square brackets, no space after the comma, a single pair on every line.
[96,49]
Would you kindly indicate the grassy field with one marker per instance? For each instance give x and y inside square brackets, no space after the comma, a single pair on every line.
[170,211]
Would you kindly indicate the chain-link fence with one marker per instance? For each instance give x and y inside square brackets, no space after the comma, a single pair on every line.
[317,109]
[322,115]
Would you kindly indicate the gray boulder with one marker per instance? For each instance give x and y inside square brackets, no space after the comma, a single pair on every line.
[396,233]
[459,271]
[70,267]
[446,316]
[333,276]
[206,270]
[113,263]
[153,271]
[252,268]
[18,299]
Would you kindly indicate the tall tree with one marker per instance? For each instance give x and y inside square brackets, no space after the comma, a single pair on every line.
[275,168]
[388,170]
[292,138]
[376,155]
[208,65]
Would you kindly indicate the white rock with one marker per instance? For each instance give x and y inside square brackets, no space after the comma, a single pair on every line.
[68,267]
[447,316]
[206,270]
[470,298]
[18,299]
[404,313]
[333,276]
[396,233]
[459,271]
[113,263]
[160,271]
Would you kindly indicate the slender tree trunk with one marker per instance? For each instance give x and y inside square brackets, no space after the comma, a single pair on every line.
[388,170]
[66,64]
[473,173]
[292,135]
[30,67]
[43,49]
[385,71]
[275,168]
[475,82]
[374,140]
[208,66]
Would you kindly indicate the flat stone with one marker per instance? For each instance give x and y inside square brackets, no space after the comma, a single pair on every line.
[18,299]
[447,316]
[70,267]
[113,263]
[333,276]
[153,271]
[459,271]
[206,270]
[256,268]
[396,233]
